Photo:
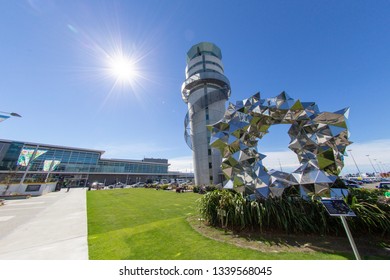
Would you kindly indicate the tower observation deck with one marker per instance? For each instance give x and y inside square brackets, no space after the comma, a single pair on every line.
[205,90]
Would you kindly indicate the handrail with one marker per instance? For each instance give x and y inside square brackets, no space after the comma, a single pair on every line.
[200,104]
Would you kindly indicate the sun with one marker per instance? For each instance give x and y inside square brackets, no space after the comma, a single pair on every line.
[123,68]
[126,69]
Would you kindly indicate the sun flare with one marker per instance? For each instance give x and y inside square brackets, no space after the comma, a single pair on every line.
[123,68]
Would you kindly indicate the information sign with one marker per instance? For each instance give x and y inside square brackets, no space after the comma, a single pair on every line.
[337,207]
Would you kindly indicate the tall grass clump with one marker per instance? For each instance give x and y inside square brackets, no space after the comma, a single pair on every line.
[372,215]
[292,214]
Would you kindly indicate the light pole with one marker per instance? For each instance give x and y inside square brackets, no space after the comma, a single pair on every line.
[6,115]
[371,163]
[280,165]
[383,167]
[350,151]
[380,169]
[386,169]
[12,114]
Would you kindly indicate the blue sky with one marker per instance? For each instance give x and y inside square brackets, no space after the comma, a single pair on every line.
[55,70]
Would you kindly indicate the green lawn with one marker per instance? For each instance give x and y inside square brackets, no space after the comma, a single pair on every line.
[145,224]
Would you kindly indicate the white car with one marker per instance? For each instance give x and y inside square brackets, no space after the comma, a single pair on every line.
[138,185]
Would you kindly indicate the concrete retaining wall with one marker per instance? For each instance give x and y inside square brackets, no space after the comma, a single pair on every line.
[32,189]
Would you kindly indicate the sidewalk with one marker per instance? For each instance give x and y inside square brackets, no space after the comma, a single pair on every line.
[49,227]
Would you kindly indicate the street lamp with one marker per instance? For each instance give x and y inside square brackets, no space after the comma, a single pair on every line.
[386,167]
[350,151]
[15,115]
[280,165]
[12,114]
[371,163]
[380,169]
[383,167]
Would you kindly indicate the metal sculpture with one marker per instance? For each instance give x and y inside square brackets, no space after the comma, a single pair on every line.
[318,138]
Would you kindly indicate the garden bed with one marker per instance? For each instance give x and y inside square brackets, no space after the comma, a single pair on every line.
[278,242]
[293,215]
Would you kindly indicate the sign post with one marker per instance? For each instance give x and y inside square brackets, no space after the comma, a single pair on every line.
[351,241]
[338,208]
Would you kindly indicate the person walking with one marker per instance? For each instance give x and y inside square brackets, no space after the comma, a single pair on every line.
[68,186]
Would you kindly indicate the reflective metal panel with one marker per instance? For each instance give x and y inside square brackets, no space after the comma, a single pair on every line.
[318,138]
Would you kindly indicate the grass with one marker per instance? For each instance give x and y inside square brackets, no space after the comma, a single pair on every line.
[145,224]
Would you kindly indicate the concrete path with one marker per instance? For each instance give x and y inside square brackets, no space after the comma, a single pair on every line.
[49,227]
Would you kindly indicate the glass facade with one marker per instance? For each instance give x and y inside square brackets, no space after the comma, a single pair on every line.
[42,158]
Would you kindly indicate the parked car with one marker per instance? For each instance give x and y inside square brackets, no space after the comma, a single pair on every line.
[384,185]
[366,181]
[351,184]
[354,186]
[97,185]
[138,185]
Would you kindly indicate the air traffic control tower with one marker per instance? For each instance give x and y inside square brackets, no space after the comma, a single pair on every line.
[205,90]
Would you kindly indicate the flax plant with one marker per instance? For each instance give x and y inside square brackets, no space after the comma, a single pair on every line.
[292,214]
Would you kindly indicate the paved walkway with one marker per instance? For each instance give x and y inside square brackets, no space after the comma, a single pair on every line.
[48,227]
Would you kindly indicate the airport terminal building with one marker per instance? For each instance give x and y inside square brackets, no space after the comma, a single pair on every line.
[36,162]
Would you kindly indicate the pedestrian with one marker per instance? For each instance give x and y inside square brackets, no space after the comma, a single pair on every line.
[68,186]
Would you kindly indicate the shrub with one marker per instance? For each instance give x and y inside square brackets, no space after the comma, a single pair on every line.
[197,189]
[291,214]
[372,215]
[210,188]
[164,186]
